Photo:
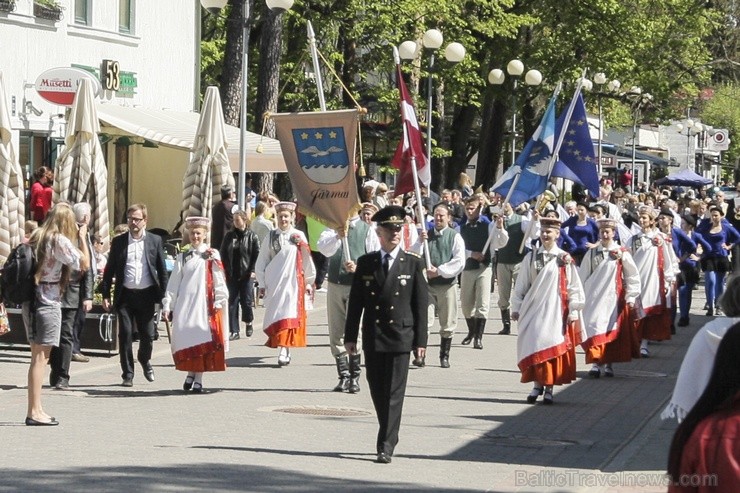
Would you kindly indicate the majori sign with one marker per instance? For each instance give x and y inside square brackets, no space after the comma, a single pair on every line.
[59,85]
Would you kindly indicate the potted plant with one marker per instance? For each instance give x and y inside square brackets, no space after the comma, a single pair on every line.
[7,5]
[47,9]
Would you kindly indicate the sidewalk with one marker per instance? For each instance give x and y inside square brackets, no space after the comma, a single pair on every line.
[258,427]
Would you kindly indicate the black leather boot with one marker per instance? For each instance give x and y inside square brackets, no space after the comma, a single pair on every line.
[354,372]
[479,328]
[506,320]
[343,372]
[471,331]
[444,352]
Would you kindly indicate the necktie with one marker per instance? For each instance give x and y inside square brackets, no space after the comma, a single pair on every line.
[386,263]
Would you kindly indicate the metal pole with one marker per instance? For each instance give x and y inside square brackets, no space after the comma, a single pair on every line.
[601,130]
[430,101]
[316,68]
[513,123]
[634,150]
[241,182]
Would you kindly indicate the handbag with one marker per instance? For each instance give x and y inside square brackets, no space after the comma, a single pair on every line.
[4,325]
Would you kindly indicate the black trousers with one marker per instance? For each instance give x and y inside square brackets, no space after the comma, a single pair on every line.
[136,307]
[61,355]
[79,326]
[386,376]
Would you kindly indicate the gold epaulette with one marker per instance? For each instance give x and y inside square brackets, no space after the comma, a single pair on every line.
[413,254]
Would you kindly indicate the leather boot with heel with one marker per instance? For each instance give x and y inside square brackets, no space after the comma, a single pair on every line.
[343,372]
[479,329]
[506,321]
[444,352]
[354,372]
[471,331]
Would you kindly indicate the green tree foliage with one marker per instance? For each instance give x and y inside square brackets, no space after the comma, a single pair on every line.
[669,48]
[722,111]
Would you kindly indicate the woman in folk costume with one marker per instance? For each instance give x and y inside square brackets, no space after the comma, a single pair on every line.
[658,267]
[285,273]
[546,300]
[198,297]
[611,279]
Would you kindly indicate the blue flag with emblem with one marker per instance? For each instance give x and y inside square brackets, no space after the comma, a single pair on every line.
[576,158]
[528,177]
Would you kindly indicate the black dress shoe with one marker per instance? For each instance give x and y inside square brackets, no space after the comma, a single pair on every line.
[504,332]
[234,336]
[383,458]
[188,384]
[197,388]
[62,384]
[250,330]
[127,382]
[33,422]
[683,322]
[148,371]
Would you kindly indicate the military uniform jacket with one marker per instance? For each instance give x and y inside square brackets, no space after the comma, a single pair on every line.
[393,310]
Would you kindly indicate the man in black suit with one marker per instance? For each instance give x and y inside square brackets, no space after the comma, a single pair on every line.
[136,261]
[390,288]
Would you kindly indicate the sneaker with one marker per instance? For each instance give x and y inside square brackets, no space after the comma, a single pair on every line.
[644,352]
[321,290]
[718,312]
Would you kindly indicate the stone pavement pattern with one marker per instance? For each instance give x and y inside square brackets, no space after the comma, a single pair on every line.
[467,428]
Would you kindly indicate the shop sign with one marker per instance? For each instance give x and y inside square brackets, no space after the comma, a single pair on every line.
[59,85]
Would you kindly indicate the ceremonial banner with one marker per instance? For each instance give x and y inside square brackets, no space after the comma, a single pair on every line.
[319,152]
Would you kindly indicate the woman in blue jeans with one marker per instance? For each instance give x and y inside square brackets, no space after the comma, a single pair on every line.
[715,262]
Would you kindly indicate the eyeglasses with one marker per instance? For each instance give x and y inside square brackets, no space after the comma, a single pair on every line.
[135,219]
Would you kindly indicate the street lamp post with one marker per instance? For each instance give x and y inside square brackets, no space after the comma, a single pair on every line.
[515,69]
[611,87]
[214,7]
[688,125]
[639,100]
[431,41]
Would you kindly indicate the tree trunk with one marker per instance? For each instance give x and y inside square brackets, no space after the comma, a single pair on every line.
[461,127]
[268,82]
[231,75]
[491,141]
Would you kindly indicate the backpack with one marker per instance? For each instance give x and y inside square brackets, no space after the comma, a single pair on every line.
[17,283]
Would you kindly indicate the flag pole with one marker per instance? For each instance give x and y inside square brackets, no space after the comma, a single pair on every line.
[322,105]
[316,70]
[414,171]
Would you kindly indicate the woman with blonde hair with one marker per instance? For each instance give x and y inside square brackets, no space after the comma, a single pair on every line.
[56,256]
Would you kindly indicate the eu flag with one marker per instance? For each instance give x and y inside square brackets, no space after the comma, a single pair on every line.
[533,164]
[576,159]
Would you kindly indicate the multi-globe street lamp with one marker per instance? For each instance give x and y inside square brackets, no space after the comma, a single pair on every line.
[612,86]
[431,41]
[214,7]
[638,100]
[515,69]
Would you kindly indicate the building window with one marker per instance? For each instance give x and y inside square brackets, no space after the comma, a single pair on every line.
[82,12]
[126,16]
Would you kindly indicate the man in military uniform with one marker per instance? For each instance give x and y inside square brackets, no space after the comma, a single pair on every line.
[361,239]
[447,253]
[390,295]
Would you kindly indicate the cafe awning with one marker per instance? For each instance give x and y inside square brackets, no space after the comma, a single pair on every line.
[177,129]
